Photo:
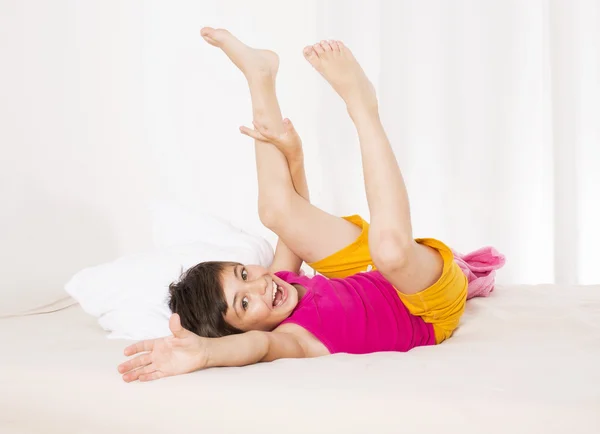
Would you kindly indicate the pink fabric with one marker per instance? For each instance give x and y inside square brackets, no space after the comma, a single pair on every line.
[358,314]
[480,268]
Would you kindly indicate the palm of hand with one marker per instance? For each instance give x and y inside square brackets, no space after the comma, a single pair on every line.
[288,141]
[178,354]
[173,356]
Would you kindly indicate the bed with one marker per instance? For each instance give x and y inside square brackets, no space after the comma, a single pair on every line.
[525,360]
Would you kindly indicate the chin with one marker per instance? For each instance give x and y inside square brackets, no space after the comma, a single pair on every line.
[291,297]
[290,294]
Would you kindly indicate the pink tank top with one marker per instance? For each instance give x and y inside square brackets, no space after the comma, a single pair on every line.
[358,314]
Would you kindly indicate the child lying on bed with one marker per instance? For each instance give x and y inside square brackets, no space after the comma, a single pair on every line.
[379,289]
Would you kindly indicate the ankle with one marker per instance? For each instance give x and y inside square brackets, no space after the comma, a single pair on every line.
[363,111]
[259,77]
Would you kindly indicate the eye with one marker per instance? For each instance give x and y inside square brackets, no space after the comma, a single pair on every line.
[245,303]
[244,274]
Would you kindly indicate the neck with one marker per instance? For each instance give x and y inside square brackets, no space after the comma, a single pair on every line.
[301,290]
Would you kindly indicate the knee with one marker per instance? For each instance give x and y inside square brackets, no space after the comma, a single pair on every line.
[269,216]
[389,252]
[274,211]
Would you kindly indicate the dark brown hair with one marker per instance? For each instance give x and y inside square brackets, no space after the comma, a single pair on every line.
[200,301]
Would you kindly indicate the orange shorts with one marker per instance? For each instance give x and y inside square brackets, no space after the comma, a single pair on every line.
[442,304]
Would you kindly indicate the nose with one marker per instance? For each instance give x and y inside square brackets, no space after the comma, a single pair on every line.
[259,286]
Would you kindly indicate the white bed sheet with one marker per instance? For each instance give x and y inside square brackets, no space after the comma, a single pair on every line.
[525,360]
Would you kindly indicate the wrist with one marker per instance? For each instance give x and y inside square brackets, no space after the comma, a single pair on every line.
[204,353]
[295,155]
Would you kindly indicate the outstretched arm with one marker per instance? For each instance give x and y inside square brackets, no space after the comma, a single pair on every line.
[186,352]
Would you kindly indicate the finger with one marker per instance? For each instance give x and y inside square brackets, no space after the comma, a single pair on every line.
[143,360]
[252,133]
[264,131]
[140,347]
[152,376]
[176,327]
[289,127]
[135,374]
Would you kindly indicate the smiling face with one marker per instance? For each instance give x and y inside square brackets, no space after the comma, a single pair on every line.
[256,299]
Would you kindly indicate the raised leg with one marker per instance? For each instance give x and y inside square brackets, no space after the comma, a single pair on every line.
[308,231]
[409,266]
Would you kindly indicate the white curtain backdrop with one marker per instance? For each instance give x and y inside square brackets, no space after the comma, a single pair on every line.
[493,110]
[492,107]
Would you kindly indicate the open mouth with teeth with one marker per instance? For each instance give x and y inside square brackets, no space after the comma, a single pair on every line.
[279,295]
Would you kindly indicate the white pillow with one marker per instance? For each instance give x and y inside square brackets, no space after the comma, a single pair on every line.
[174,224]
[129,295]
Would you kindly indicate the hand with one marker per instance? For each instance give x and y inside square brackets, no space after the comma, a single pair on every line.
[172,355]
[288,142]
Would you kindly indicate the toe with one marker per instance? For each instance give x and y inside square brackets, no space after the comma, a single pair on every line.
[318,49]
[210,35]
[206,31]
[325,45]
[219,35]
[310,55]
[344,51]
[334,46]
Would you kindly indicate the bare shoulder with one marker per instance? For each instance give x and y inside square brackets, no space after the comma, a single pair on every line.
[312,346]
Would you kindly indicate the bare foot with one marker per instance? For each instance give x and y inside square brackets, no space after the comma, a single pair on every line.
[251,61]
[336,63]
